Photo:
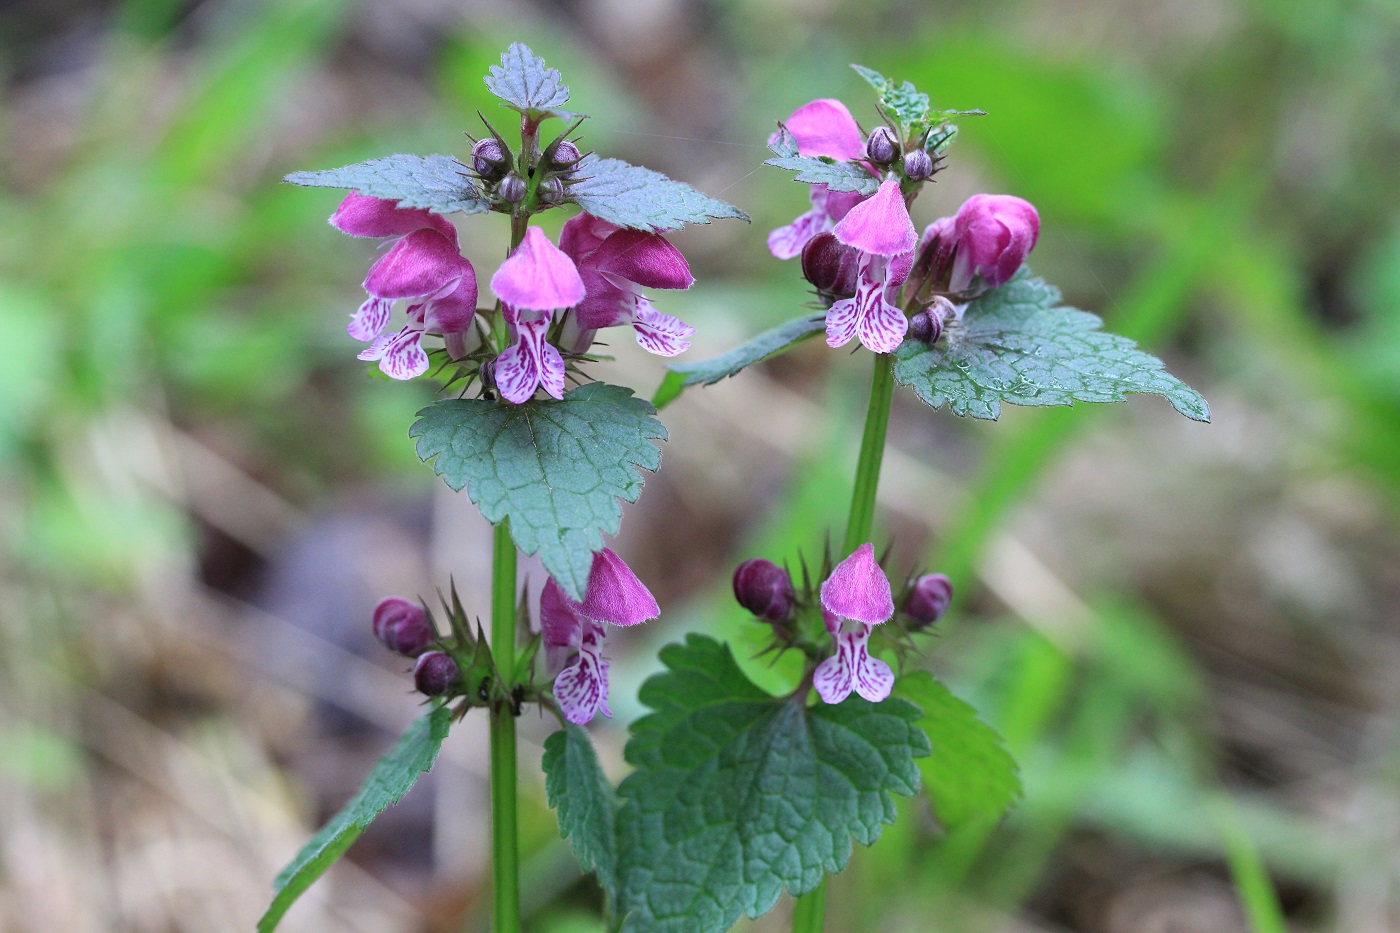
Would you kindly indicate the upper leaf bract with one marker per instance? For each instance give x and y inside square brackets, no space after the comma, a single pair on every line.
[1019,344]
[820,170]
[436,183]
[526,84]
[641,199]
[555,469]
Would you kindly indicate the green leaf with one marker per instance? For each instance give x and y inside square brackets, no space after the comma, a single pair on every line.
[1018,344]
[436,183]
[902,102]
[583,799]
[838,176]
[738,794]
[770,343]
[638,198]
[555,469]
[969,776]
[525,84]
[391,778]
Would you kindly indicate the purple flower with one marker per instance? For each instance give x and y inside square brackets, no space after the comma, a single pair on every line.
[826,128]
[538,276]
[821,128]
[881,230]
[573,649]
[855,598]
[615,594]
[573,633]
[537,280]
[615,264]
[424,263]
[990,236]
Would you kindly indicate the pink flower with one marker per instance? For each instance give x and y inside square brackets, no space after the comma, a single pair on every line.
[826,128]
[536,281]
[573,633]
[855,598]
[573,646]
[881,230]
[615,264]
[423,263]
[821,128]
[615,594]
[990,236]
[538,276]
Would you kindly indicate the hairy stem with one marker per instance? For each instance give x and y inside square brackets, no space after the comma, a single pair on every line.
[505,842]
[809,912]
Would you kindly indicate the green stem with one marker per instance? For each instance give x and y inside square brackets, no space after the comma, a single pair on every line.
[872,452]
[505,841]
[809,912]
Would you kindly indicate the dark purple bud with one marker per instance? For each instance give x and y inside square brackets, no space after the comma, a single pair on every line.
[880,146]
[435,672]
[490,159]
[928,600]
[512,189]
[552,190]
[402,626]
[765,589]
[562,154]
[918,165]
[926,327]
[830,265]
[487,374]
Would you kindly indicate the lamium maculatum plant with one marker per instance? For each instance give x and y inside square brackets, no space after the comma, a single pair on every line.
[737,794]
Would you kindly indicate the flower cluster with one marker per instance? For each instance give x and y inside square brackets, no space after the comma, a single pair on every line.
[424,265]
[859,251]
[855,597]
[546,293]
[553,300]
[572,634]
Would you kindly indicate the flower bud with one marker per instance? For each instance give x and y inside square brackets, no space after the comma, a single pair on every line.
[512,189]
[926,327]
[435,672]
[765,589]
[928,600]
[830,265]
[402,626]
[918,165]
[490,159]
[562,154]
[880,146]
[552,190]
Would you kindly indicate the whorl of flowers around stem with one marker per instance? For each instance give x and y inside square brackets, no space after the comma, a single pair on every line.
[980,247]
[832,615]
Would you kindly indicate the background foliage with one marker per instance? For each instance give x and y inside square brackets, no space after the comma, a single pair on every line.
[1187,634]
